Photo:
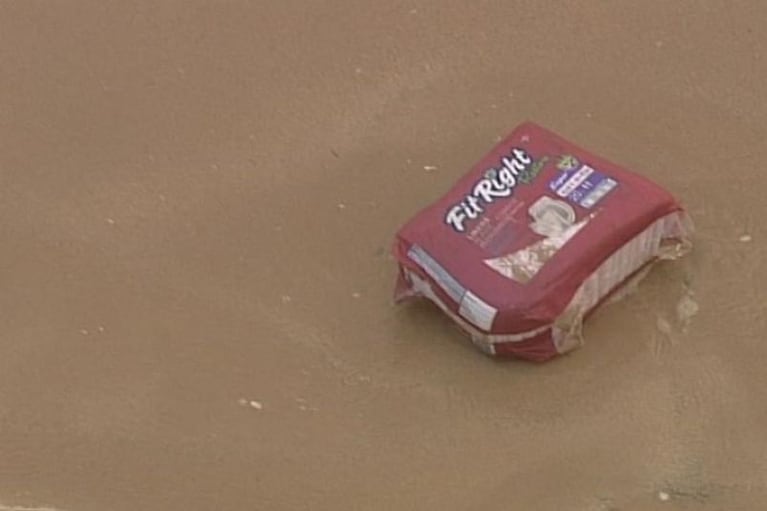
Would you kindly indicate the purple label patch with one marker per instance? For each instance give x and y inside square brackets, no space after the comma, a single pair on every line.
[582,185]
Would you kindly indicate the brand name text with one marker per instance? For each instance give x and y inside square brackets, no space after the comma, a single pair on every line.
[498,182]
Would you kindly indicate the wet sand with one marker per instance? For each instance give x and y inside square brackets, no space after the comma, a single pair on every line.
[196,208]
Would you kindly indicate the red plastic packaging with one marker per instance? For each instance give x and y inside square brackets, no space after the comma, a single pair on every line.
[532,239]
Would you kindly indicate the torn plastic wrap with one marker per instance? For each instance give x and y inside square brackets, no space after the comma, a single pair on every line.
[535,237]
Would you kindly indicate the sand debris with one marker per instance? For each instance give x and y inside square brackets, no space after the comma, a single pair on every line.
[304,406]
[664,326]
[251,403]
[686,309]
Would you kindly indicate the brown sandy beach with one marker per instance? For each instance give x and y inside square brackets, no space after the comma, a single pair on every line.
[197,200]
